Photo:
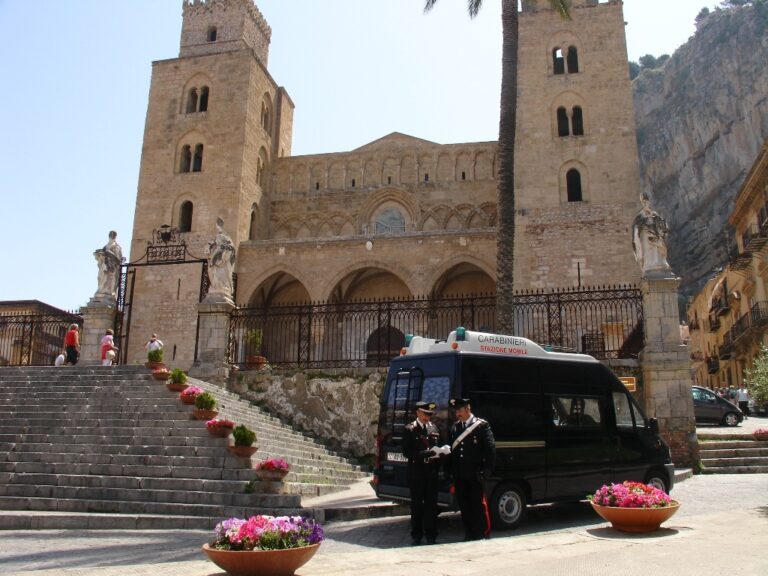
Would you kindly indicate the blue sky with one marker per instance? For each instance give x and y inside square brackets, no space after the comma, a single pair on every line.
[75,89]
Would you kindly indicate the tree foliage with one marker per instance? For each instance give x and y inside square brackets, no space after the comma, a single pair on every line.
[756,378]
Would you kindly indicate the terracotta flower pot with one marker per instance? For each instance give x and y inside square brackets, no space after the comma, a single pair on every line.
[636,519]
[202,414]
[271,475]
[155,365]
[261,562]
[187,399]
[220,431]
[161,375]
[243,451]
[178,387]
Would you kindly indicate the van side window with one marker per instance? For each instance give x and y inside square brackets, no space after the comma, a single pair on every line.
[576,412]
[623,410]
[437,389]
[510,415]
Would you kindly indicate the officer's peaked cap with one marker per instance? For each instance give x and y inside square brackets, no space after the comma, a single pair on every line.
[426,407]
[459,402]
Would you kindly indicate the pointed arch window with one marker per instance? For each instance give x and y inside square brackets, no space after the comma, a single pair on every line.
[186,159]
[577,121]
[563,128]
[185,216]
[573,183]
[254,224]
[558,62]
[192,101]
[197,161]
[197,100]
[572,57]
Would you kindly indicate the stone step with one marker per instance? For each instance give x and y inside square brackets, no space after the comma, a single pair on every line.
[245,473]
[141,455]
[149,508]
[735,470]
[301,468]
[734,462]
[114,443]
[239,498]
[732,444]
[45,520]
[734,452]
[147,483]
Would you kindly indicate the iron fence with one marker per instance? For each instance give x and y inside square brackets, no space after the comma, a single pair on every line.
[33,339]
[603,322]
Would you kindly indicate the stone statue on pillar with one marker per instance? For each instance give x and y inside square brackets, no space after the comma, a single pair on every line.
[221,263]
[649,240]
[109,259]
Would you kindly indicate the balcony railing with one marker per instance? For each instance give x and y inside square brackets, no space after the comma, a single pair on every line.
[725,351]
[714,323]
[754,238]
[720,306]
[713,364]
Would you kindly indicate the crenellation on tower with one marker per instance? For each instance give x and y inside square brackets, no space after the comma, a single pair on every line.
[216,26]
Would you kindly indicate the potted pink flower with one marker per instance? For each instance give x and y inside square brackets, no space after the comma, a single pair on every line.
[188,395]
[760,434]
[220,427]
[264,544]
[633,506]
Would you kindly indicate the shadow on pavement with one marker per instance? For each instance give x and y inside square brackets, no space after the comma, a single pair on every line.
[387,533]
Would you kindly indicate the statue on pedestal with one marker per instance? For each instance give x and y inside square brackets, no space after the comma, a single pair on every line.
[109,259]
[221,263]
[649,239]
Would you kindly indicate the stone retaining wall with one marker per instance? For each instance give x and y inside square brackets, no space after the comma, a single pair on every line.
[341,407]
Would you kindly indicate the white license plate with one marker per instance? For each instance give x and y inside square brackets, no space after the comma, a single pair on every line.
[396,457]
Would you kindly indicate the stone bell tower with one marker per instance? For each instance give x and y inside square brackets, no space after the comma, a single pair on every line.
[577,177]
[216,120]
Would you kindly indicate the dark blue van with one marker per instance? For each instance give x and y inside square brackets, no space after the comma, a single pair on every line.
[564,424]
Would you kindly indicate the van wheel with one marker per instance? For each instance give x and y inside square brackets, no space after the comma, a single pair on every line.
[508,506]
[731,419]
[657,480]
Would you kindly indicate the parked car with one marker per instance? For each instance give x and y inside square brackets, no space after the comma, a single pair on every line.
[709,408]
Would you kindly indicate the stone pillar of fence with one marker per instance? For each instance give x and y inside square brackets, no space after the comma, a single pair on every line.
[96,320]
[666,369]
[212,339]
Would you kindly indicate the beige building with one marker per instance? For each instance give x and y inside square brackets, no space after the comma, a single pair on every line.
[397,217]
[728,319]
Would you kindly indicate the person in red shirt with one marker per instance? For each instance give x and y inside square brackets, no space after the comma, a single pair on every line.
[72,344]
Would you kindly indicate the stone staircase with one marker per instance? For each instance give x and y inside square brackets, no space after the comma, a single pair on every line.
[733,454]
[115,443]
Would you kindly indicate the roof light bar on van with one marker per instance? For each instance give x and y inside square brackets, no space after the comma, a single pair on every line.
[463,341]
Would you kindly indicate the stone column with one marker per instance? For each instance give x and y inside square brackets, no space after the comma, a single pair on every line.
[96,320]
[212,340]
[666,370]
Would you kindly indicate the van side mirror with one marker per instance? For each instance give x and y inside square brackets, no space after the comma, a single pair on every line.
[654,424]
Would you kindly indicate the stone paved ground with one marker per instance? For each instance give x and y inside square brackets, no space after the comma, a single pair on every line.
[727,514]
[721,528]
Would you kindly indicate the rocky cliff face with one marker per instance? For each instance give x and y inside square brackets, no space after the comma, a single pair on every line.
[701,121]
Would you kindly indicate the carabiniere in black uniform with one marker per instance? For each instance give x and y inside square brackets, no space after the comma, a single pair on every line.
[472,461]
[423,467]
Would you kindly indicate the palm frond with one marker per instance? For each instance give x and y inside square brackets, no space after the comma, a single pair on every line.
[429,4]
[473,7]
[562,7]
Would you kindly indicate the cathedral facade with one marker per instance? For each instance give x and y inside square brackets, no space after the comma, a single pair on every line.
[397,217]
